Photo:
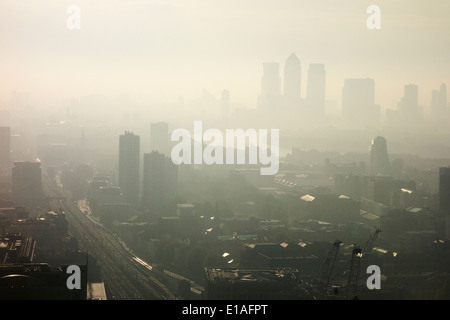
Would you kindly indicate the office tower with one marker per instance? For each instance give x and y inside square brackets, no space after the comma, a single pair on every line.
[160,181]
[129,164]
[379,160]
[316,88]
[408,106]
[225,101]
[439,108]
[292,80]
[270,96]
[159,138]
[27,183]
[5,151]
[444,197]
[358,102]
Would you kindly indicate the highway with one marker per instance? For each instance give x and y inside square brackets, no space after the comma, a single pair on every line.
[126,277]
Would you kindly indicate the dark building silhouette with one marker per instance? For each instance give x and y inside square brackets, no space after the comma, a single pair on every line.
[379,160]
[39,281]
[316,88]
[444,197]
[129,166]
[270,95]
[292,81]
[159,138]
[160,181]
[5,151]
[16,248]
[358,102]
[27,183]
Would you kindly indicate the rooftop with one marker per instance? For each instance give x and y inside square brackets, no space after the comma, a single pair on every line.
[250,274]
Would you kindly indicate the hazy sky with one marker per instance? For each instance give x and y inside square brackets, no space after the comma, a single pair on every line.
[164,48]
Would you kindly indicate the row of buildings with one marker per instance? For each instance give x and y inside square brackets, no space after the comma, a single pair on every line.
[156,181]
[358,103]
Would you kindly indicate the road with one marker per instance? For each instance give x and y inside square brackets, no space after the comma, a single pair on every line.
[126,277]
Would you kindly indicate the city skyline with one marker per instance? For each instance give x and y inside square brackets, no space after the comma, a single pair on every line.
[229,150]
[179,59]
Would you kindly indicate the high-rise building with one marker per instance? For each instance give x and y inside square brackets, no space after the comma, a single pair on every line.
[316,88]
[5,151]
[159,137]
[439,108]
[444,197]
[27,183]
[160,181]
[270,95]
[379,159]
[409,104]
[129,166]
[358,102]
[292,80]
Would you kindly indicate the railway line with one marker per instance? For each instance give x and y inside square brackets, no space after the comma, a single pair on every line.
[126,277]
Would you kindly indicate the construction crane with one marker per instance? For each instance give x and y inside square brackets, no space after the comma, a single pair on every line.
[358,257]
[327,268]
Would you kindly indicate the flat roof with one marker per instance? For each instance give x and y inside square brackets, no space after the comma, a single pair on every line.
[250,274]
[96,291]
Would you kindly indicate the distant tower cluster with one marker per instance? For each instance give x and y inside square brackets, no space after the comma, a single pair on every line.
[379,159]
[272,98]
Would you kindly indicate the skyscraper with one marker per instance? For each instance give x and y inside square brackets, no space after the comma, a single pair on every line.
[379,159]
[409,104]
[358,102]
[160,181]
[444,197]
[159,137]
[129,163]
[292,80]
[439,108]
[5,151]
[316,88]
[270,95]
